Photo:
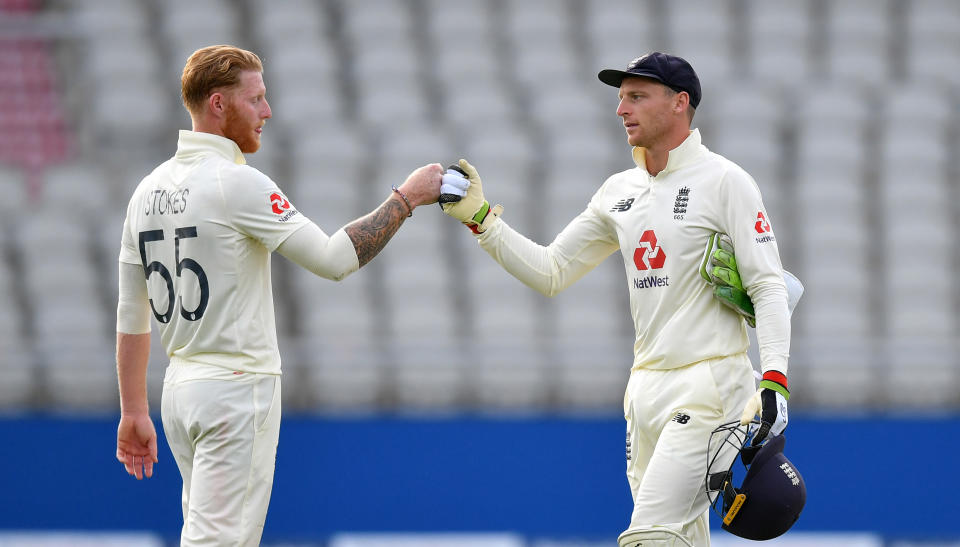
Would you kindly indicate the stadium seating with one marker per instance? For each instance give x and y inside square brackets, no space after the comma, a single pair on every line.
[845,113]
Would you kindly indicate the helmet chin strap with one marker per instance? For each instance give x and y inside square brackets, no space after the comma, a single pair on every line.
[748,453]
[732,500]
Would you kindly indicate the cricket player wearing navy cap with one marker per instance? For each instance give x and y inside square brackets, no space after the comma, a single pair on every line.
[690,371]
[195,256]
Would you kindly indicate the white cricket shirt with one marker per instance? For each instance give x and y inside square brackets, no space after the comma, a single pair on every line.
[203,225]
[661,225]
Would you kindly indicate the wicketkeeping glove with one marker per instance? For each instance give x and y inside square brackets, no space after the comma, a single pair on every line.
[770,403]
[719,268]
[472,210]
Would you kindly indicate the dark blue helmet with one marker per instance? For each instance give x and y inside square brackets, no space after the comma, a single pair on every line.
[772,494]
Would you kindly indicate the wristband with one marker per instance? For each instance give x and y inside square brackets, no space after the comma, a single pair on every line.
[405,200]
[776,381]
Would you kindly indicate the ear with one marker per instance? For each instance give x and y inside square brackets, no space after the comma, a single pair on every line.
[682,102]
[217,103]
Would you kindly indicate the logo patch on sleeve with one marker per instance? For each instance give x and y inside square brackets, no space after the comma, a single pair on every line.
[279,203]
[762,225]
[282,207]
[763,228]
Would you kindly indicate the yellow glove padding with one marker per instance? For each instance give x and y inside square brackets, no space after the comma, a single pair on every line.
[472,209]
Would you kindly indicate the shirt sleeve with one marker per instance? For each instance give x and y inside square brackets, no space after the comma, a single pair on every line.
[258,207]
[133,304]
[747,223]
[129,253]
[331,257]
[583,244]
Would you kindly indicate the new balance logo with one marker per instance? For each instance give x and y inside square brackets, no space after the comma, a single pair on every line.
[649,256]
[622,205]
[681,418]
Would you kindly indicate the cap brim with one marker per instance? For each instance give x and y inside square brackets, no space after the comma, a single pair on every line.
[615,78]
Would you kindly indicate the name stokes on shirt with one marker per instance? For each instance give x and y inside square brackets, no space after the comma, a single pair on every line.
[162,202]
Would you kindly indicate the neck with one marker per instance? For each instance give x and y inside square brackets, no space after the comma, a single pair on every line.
[205,125]
[656,156]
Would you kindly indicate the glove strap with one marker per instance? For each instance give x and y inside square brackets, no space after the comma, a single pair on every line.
[776,381]
[707,253]
[482,213]
[484,217]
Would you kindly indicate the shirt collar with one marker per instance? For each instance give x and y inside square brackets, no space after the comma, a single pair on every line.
[196,142]
[688,149]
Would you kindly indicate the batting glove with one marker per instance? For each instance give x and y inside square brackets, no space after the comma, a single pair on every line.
[770,404]
[719,268]
[472,210]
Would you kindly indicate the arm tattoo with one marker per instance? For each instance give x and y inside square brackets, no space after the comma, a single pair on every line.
[371,233]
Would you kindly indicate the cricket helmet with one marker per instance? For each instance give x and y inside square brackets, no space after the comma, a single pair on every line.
[772,493]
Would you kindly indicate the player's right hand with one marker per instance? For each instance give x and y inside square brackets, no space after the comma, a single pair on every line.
[472,209]
[137,444]
[719,268]
[453,185]
[422,186]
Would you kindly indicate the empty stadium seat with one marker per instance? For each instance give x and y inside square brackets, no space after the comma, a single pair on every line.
[931,49]
[780,40]
[858,34]
[702,33]
[618,31]
[845,113]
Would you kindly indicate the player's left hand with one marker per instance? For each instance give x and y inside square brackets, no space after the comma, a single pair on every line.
[719,268]
[770,403]
[472,209]
[137,444]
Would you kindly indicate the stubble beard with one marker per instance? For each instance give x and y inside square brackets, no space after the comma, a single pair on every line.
[235,129]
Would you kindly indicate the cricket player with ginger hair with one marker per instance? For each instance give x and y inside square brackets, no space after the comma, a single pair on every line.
[195,254]
[690,372]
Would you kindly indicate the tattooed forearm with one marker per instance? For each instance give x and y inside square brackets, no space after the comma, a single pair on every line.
[371,233]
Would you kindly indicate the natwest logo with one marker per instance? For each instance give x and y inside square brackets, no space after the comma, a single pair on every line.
[762,224]
[280,203]
[649,256]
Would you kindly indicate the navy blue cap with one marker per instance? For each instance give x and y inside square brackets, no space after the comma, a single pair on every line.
[670,70]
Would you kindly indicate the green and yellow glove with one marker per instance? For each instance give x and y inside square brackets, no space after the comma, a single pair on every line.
[719,268]
[471,209]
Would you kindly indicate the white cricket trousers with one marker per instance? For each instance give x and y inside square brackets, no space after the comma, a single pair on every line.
[223,432]
[670,415]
